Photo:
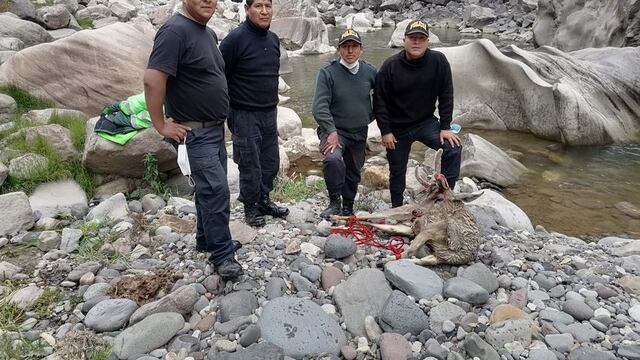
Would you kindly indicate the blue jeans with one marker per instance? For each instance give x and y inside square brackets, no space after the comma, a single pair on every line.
[428,133]
[255,150]
[208,161]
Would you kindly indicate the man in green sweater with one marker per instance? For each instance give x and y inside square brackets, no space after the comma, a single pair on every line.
[342,109]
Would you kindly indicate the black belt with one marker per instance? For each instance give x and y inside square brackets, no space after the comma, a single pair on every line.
[201,124]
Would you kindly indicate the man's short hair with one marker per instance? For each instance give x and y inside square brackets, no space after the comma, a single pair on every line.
[250,2]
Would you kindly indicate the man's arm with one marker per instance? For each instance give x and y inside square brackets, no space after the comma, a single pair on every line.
[380,109]
[321,110]
[227,49]
[445,97]
[155,88]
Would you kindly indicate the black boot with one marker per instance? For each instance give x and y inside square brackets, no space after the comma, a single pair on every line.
[347,208]
[252,216]
[334,208]
[268,207]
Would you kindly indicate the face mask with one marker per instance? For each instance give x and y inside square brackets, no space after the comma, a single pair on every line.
[183,161]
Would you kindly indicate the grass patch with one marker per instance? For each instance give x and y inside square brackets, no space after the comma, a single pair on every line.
[295,188]
[82,345]
[95,235]
[5,5]
[49,297]
[151,177]
[20,349]
[77,127]
[85,23]
[25,101]
[11,316]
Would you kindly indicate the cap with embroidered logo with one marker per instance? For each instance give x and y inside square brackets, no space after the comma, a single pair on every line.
[349,35]
[417,27]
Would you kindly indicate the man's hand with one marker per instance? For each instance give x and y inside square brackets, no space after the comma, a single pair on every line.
[332,143]
[389,141]
[173,130]
[450,136]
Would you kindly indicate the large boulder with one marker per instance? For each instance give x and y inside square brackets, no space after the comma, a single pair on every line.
[397,38]
[95,12]
[54,17]
[23,8]
[82,79]
[299,22]
[15,213]
[492,209]
[289,123]
[478,16]
[577,24]
[580,98]
[305,145]
[482,159]
[59,198]
[57,136]
[106,157]
[30,33]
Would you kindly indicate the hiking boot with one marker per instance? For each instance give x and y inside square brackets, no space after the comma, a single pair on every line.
[252,216]
[334,208]
[347,208]
[268,207]
[229,269]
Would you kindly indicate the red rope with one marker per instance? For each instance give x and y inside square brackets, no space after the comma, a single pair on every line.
[365,235]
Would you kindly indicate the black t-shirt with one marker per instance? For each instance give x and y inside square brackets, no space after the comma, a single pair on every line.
[196,88]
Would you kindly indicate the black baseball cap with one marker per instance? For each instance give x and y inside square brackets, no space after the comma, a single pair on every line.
[349,35]
[417,27]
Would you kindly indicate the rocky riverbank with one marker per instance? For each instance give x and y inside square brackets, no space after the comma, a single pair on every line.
[131,284]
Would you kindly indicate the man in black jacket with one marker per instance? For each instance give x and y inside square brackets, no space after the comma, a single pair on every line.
[252,62]
[407,88]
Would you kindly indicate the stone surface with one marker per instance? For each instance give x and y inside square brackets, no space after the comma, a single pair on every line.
[53,17]
[394,346]
[27,165]
[289,123]
[577,309]
[8,270]
[402,315]
[442,312]
[501,333]
[483,160]
[477,16]
[111,210]
[339,247]
[28,32]
[492,208]
[20,216]
[465,290]
[180,301]
[263,350]
[481,275]
[26,297]
[477,347]
[239,303]
[300,327]
[364,293]
[59,198]
[110,315]
[147,335]
[331,276]
[414,280]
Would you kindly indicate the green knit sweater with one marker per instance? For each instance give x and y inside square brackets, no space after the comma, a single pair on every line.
[342,99]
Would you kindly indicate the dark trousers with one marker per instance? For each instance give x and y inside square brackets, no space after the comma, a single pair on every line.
[255,150]
[428,133]
[208,162]
[342,167]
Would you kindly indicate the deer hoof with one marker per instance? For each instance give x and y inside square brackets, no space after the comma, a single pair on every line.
[429,260]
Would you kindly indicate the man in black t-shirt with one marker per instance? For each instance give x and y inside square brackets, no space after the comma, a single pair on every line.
[252,56]
[408,86]
[186,73]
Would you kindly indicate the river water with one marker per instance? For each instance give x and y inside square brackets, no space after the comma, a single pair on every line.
[569,190]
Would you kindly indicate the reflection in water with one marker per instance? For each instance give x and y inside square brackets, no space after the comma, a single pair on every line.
[572,191]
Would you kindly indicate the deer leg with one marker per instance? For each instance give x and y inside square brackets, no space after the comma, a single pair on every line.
[418,242]
[429,260]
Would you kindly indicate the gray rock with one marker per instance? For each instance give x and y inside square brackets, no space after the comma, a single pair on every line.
[301,283]
[26,297]
[339,247]
[70,239]
[48,240]
[586,352]
[71,5]
[122,10]
[7,103]
[537,295]
[232,325]
[480,159]
[250,335]
[185,341]
[23,8]
[151,203]
[147,335]
[364,293]
[110,315]
[300,327]
[30,33]
[629,351]
[508,331]
[89,304]
[98,289]
[311,272]
[559,342]
[477,16]
[444,311]
[27,165]
[54,17]
[263,350]
[89,266]
[480,274]
[180,301]
[414,280]
[8,270]
[584,332]
[402,315]
[20,218]
[545,282]
[111,210]
[465,290]
[552,315]
[95,12]
[577,309]
[274,288]
[476,347]
[542,354]
[239,303]
[4,173]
